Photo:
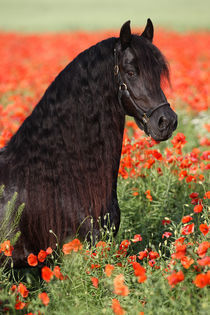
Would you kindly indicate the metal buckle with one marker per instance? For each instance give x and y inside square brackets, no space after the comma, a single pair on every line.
[116,70]
[123,87]
[145,118]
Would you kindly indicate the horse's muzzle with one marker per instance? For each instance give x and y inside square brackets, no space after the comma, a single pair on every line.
[162,126]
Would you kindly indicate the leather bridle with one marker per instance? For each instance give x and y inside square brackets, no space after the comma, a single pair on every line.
[124,93]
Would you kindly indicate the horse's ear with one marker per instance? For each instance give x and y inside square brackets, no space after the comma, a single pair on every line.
[125,35]
[149,31]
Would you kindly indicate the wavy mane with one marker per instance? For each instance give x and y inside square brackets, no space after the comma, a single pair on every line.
[67,151]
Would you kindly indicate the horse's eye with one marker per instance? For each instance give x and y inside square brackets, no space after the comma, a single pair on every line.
[130,73]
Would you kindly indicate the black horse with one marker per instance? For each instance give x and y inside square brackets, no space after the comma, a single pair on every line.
[64,159]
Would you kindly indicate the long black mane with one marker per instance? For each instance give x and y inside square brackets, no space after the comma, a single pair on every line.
[64,159]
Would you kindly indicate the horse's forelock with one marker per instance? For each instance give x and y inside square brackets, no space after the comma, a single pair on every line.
[151,62]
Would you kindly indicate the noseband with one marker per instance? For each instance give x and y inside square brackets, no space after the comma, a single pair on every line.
[123,92]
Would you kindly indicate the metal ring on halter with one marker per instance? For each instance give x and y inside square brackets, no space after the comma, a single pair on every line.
[145,118]
[116,69]
[123,87]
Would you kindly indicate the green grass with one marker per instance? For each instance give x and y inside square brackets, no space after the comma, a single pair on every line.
[65,15]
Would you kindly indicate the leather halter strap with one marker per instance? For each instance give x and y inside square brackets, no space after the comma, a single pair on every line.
[124,92]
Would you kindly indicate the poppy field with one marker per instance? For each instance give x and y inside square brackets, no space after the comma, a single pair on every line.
[159,261]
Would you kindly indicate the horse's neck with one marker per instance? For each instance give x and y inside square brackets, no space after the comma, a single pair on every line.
[94,143]
[97,147]
[89,144]
[77,126]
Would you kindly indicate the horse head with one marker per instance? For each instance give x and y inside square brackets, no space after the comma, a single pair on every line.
[139,69]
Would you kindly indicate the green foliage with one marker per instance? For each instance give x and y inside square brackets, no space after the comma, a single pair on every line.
[12,215]
[140,216]
[9,226]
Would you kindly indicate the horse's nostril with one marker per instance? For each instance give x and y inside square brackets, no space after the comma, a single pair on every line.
[175,124]
[162,122]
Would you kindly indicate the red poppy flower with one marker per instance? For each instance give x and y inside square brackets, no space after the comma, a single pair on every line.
[204,228]
[202,248]
[165,222]
[149,163]
[205,261]
[42,255]
[152,262]
[47,274]
[119,264]
[179,140]
[135,193]
[153,255]
[95,266]
[124,244]
[175,278]
[202,280]
[194,201]
[94,282]
[123,248]
[108,270]
[198,269]
[205,156]
[198,208]
[182,174]
[19,305]
[188,229]
[207,195]
[186,262]
[49,251]
[117,309]
[57,273]
[148,195]
[119,287]
[13,288]
[32,260]
[131,259]
[74,245]
[186,163]
[22,290]
[186,219]
[180,251]
[44,298]
[159,170]
[166,234]
[7,248]
[137,238]
[140,272]
[194,195]
[180,240]
[191,178]
[157,155]
[143,254]
[142,278]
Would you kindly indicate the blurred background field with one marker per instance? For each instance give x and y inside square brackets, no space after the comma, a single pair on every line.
[65,15]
